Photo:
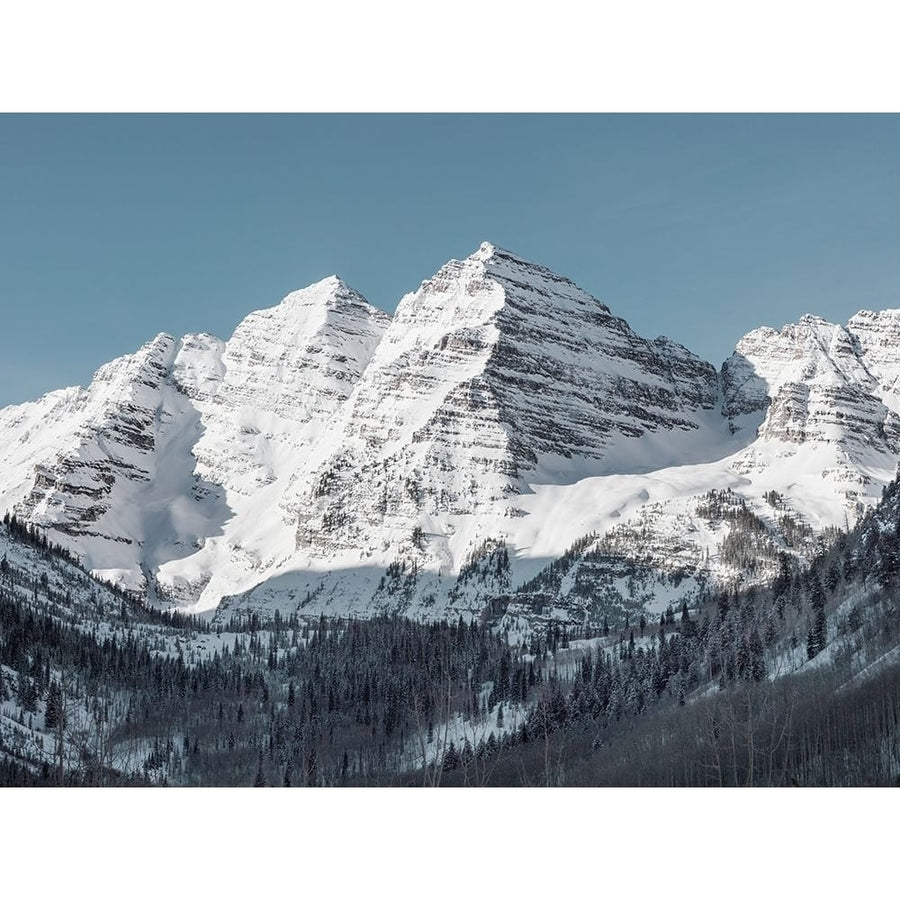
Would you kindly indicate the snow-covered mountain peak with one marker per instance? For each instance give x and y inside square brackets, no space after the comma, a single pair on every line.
[131,379]
[286,370]
[470,292]
[514,330]
[821,383]
[303,313]
[330,292]
[484,251]
[502,410]
[874,319]
[153,352]
[487,249]
[321,335]
[496,375]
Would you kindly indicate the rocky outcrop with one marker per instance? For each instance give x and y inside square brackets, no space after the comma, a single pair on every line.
[820,382]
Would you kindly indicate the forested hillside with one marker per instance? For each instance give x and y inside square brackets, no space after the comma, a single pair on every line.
[97,689]
[793,684]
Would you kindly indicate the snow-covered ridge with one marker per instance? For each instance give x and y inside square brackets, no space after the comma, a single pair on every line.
[154,460]
[821,381]
[331,458]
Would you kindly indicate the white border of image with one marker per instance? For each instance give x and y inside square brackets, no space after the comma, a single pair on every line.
[466,56]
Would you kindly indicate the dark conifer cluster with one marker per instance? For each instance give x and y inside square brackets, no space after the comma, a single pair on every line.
[702,703]
[284,702]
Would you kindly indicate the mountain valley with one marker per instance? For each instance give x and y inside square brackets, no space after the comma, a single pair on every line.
[495,538]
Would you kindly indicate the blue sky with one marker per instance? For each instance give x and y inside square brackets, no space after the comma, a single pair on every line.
[114,228]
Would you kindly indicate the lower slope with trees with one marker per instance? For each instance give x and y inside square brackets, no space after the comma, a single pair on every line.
[792,684]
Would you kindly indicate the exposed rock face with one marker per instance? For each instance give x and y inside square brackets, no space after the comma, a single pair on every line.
[330,458]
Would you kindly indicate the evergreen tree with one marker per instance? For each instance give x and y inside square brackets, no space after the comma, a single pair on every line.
[53,710]
[451,758]
[260,780]
[817,636]
[812,645]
